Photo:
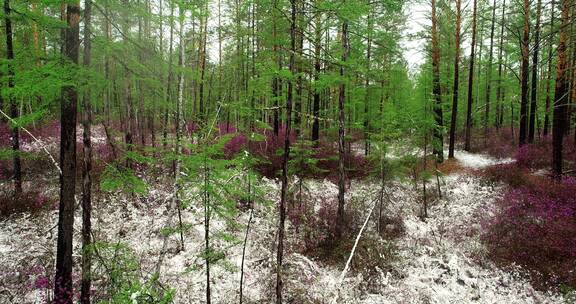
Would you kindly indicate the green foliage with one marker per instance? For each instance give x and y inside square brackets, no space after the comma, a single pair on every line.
[122,179]
[117,265]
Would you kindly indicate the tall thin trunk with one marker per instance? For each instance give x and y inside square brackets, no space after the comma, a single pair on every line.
[63,292]
[179,123]
[87,165]
[17,167]
[499,93]
[284,191]
[524,75]
[471,81]
[561,93]
[367,86]
[534,92]
[276,81]
[438,144]
[169,83]
[317,67]
[340,220]
[489,73]
[453,119]
[549,76]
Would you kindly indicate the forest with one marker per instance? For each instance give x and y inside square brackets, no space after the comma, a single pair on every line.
[287,151]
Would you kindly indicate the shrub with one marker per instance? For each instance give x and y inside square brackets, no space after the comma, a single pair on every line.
[32,202]
[535,227]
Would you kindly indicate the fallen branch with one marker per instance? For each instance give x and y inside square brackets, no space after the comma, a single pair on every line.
[345,270]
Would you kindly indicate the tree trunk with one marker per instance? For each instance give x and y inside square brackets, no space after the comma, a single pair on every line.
[524,75]
[471,81]
[317,67]
[534,92]
[489,74]
[169,83]
[284,190]
[87,166]
[63,292]
[438,144]
[549,75]
[340,220]
[453,119]
[499,93]
[17,167]
[560,95]
[367,86]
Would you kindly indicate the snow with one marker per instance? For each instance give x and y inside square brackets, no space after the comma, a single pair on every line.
[478,161]
[440,260]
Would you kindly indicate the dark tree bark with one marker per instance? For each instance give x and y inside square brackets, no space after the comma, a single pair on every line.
[489,73]
[499,93]
[63,292]
[286,156]
[15,134]
[453,119]
[561,93]
[87,165]
[438,144]
[317,67]
[170,76]
[549,76]
[276,81]
[471,81]
[524,75]
[340,220]
[534,92]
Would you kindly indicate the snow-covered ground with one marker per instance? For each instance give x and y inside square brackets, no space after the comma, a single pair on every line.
[439,259]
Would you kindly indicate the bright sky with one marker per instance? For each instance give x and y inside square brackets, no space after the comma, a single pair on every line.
[416,21]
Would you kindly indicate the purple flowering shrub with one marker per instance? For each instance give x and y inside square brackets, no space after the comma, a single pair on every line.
[32,202]
[316,226]
[535,227]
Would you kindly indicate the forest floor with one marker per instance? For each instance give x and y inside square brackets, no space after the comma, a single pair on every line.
[440,259]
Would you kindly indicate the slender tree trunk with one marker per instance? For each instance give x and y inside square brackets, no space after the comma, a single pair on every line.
[524,75]
[276,81]
[17,167]
[438,144]
[534,92]
[489,74]
[340,219]
[367,86]
[561,93]
[87,165]
[63,292]
[179,123]
[169,83]
[549,75]
[453,119]
[471,81]
[317,67]
[284,191]
[499,95]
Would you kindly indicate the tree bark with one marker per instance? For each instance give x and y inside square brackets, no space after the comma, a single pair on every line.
[438,144]
[63,292]
[87,165]
[534,92]
[17,167]
[499,93]
[471,81]
[489,74]
[549,80]
[561,93]
[286,156]
[453,119]
[524,75]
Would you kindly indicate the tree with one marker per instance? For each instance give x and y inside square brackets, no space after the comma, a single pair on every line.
[285,157]
[524,45]
[489,73]
[17,167]
[453,119]
[63,279]
[467,139]
[438,143]
[534,82]
[87,165]
[561,92]
[341,125]
[549,73]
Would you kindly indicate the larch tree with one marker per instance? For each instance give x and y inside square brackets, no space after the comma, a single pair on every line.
[470,98]
[561,92]
[524,74]
[63,293]
[534,81]
[454,117]
[438,144]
